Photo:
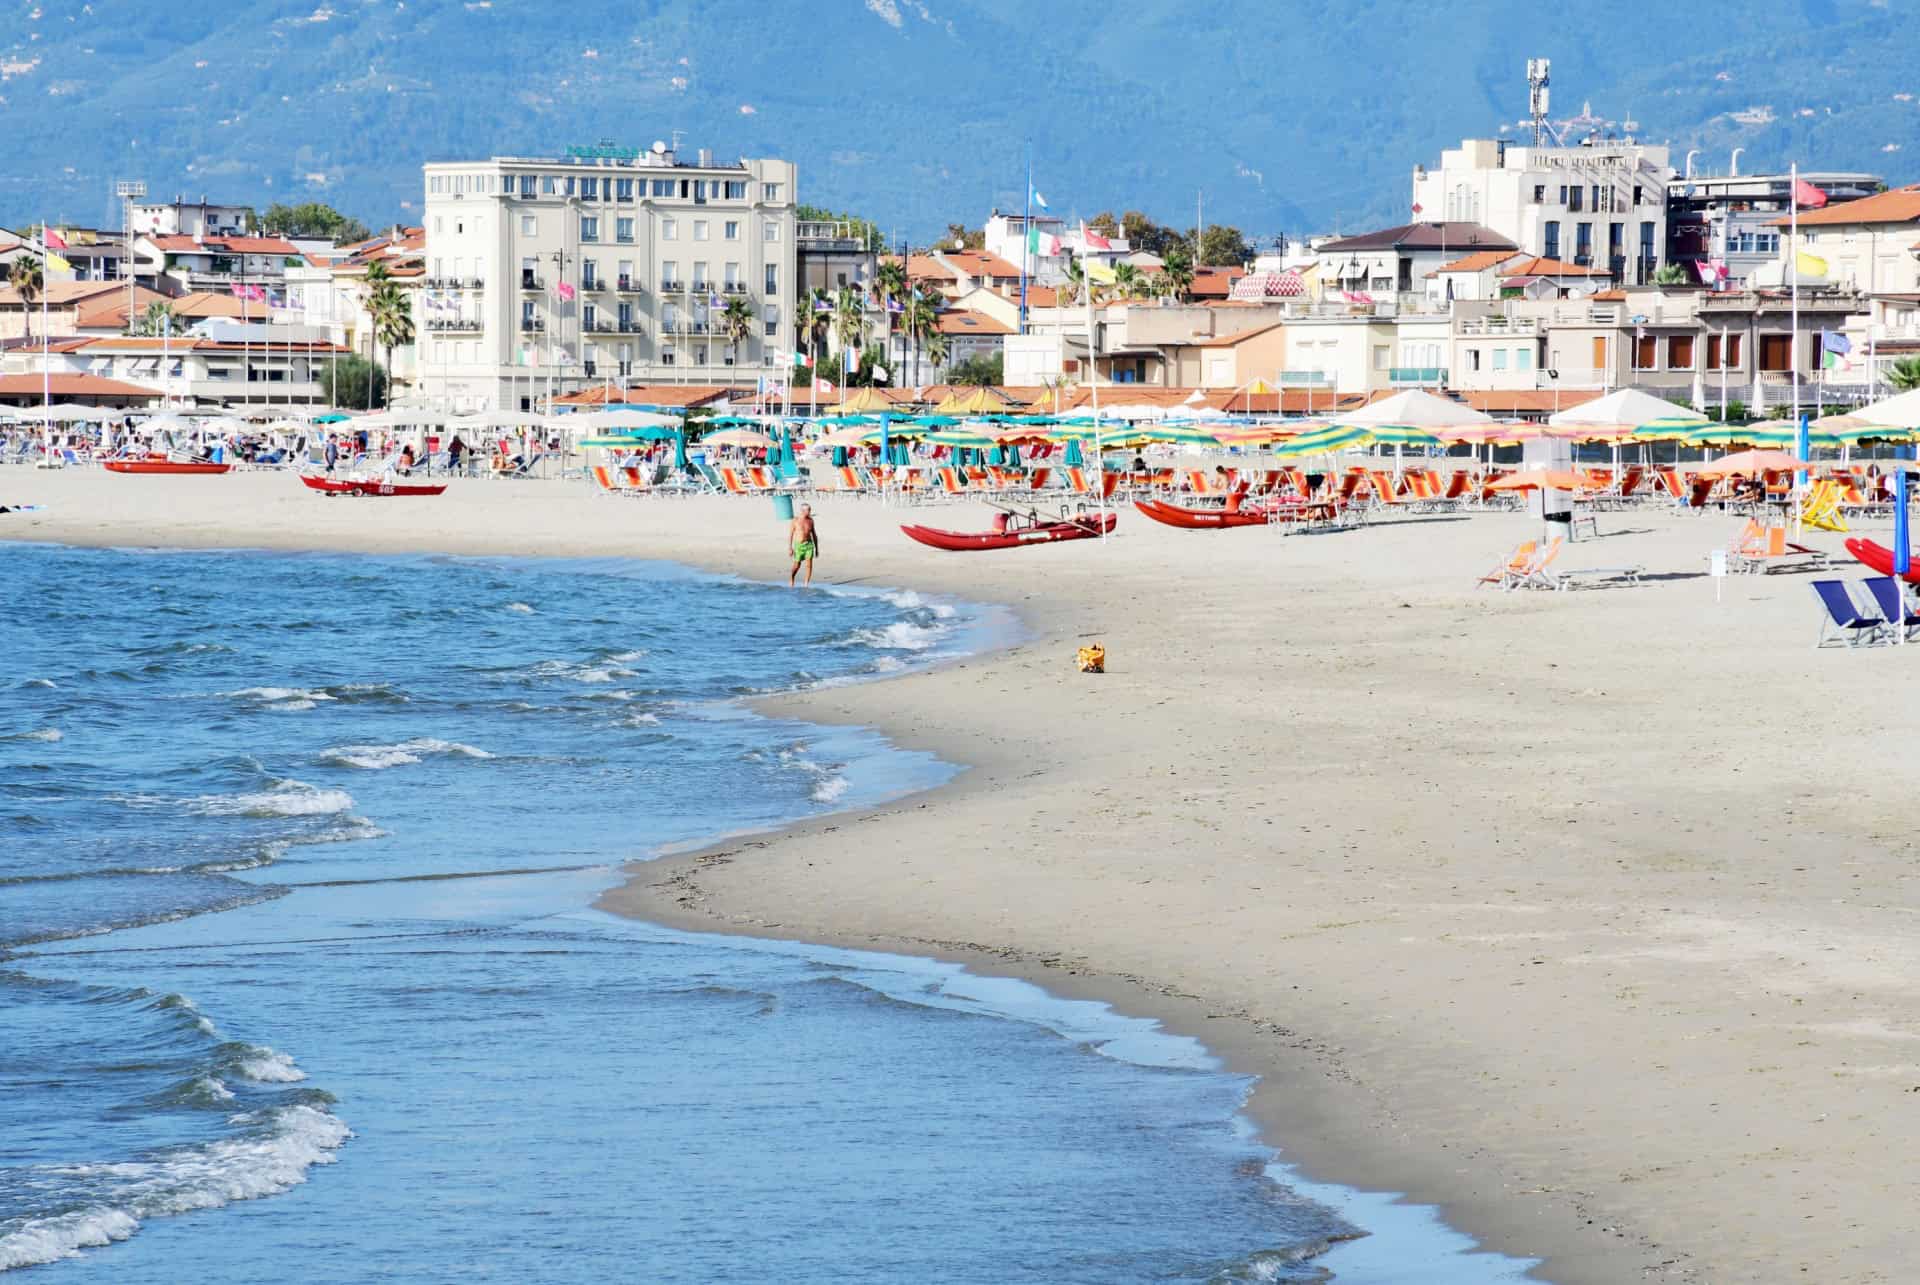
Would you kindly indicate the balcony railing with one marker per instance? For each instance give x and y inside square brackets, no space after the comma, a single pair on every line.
[531,281]
[595,284]
[671,287]
[628,285]
[631,328]
[734,287]
[533,325]
[453,323]
[1417,376]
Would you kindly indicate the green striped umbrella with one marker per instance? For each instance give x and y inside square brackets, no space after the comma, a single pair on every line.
[963,437]
[1175,435]
[1329,440]
[1669,427]
[1402,435]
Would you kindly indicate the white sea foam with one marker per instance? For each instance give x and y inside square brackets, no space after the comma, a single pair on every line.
[829,788]
[627,657]
[209,1086]
[277,695]
[581,673]
[44,734]
[291,707]
[268,1066]
[888,665]
[376,757]
[520,608]
[274,1153]
[285,799]
[47,683]
[640,719]
[901,635]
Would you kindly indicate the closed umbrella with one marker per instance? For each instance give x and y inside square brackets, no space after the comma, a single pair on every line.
[1074,457]
[680,450]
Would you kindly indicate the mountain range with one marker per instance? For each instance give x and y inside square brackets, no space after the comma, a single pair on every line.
[1305,115]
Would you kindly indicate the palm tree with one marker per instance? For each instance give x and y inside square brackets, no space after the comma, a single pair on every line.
[922,321]
[1176,276]
[1671,275]
[27,279]
[392,311]
[158,319]
[736,323]
[935,349]
[1905,374]
[1076,280]
[892,280]
[850,320]
[376,278]
[1126,282]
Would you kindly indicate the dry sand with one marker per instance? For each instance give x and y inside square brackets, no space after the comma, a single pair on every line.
[1590,917]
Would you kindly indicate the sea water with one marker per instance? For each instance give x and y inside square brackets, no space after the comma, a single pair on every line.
[301,980]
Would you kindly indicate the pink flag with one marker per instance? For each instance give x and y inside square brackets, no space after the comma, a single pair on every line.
[564,290]
[257,293]
[1807,196]
[1093,240]
[51,239]
[239,291]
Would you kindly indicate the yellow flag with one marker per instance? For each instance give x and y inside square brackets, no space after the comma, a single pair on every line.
[1097,271]
[1809,265]
[57,263]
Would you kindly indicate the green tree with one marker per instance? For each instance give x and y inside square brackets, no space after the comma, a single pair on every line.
[1671,274]
[158,319]
[391,308]
[892,284]
[1176,276]
[815,321]
[1904,374]
[312,219]
[850,318]
[1143,233]
[377,279]
[736,323]
[352,380]
[1076,285]
[935,349]
[28,279]
[1104,224]
[921,320]
[1222,246]
[1127,282]
[965,237]
[978,370]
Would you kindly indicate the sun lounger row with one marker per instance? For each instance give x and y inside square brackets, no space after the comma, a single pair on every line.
[1876,613]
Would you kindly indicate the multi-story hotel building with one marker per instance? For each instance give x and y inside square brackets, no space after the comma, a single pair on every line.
[606,265]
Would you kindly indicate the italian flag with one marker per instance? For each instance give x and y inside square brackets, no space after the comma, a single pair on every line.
[801,359]
[1041,244]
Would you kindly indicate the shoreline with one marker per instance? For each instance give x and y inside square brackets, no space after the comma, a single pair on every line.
[1500,919]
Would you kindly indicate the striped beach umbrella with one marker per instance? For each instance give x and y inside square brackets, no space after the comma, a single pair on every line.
[968,438]
[1403,435]
[1326,440]
[1670,428]
[1178,435]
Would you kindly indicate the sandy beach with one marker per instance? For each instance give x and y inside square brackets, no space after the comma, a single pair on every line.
[1589,917]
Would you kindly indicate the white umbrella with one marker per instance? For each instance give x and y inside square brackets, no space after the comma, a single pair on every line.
[582,423]
[397,417]
[1901,411]
[1415,408]
[1627,408]
[497,419]
[66,413]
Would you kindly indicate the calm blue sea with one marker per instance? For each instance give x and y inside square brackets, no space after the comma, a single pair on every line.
[299,979]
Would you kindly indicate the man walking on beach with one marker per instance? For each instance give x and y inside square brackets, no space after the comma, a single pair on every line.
[803,544]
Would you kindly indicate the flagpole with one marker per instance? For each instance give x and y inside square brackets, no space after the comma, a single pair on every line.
[46,350]
[1793,359]
[1026,241]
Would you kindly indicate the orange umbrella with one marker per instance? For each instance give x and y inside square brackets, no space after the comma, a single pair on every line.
[1555,479]
[1751,464]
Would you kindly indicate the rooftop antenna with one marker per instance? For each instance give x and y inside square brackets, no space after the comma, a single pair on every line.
[1539,77]
[676,134]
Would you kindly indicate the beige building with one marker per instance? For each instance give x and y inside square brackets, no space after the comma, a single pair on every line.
[1871,245]
[604,265]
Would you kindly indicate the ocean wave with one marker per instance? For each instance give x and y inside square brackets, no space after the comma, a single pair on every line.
[828,783]
[287,798]
[374,758]
[521,608]
[277,695]
[276,1148]
[46,683]
[368,694]
[901,635]
[627,657]
[261,1065]
[43,734]
[580,673]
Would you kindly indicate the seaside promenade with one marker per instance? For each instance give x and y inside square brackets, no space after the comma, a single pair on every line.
[1587,916]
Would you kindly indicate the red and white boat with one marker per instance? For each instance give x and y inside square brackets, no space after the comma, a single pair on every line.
[1011,535]
[163,465]
[368,486]
[1879,558]
[1174,515]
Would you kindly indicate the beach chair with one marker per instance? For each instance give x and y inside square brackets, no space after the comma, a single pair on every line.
[1887,596]
[1822,507]
[1385,493]
[950,483]
[1841,615]
[1515,565]
[1767,549]
[1629,486]
[730,482]
[1039,479]
[605,478]
[1539,574]
[1197,482]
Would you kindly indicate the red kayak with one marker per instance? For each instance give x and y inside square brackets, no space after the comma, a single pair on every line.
[1880,558]
[1199,519]
[1052,532]
[165,466]
[350,486]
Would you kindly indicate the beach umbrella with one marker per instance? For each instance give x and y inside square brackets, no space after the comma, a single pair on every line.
[1412,410]
[839,438]
[1900,415]
[1625,410]
[786,446]
[744,437]
[1902,546]
[974,401]
[680,450]
[1537,479]
[967,438]
[611,421]
[863,400]
[1180,435]
[1022,433]
[1329,439]
[1750,464]
[1074,457]
[489,419]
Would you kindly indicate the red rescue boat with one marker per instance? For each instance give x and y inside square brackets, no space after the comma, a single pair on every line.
[1014,536]
[1200,519]
[165,466]
[1880,558]
[364,486]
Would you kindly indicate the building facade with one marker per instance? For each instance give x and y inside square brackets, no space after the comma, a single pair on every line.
[181,217]
[1730,220]
[1600,204]
[554,274]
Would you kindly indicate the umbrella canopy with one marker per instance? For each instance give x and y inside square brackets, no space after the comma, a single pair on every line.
[1902,411]
[1414,409]
[65,413]
[1023,433]
[1492,434]
[612,421]
[400,418]
[1074,458]
[962,437]
[1326,440]
[1750,464]
[737,437]
[861,401]
[488,419]
[1180,435]
[851,435]
[1402,435]
[975,401]
[1902,540]
[1670,427]
[619,441]
[1537,479]
[1626,411]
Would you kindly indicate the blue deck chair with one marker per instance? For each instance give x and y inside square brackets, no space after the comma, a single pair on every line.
[713,478]
[1886,594]
[1840,612]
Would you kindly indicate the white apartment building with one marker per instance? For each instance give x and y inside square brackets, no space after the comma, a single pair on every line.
[181,217]
[604,265]
[1599,204]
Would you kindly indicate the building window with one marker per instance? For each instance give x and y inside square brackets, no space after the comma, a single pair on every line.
[1616,241]
[1723,352]
[623,189]
[589,189]
[527,184]
[547,184]
[1382,358]
[1680,352]
[1776,352]
[669,275]
[1539,193]
[529,225]
[1646,242]
[1523,359]
[1600,361]
[663,187]
[770,231]
[1646,353]
[589,228]
[700,229]
[589,273]
[626,273]
[700,280]
[731,229]
[589,317]
[669,229]
[1499,358]
[623,230]
[769,191]
[1550,244]
[773,279]
[1583,244]
[771,316]
[1636,194]
[736,189]
[1473,359]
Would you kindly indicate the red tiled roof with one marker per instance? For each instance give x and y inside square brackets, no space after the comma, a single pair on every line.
[180,244]
[1527,401]
[59,294]
[1479,262]
[70,386]
[1899,205]
[1540,266]
[684,395]
[1214,283]
[978,263]
[964,322]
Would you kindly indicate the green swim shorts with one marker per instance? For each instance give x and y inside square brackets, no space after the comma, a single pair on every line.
[803,551]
